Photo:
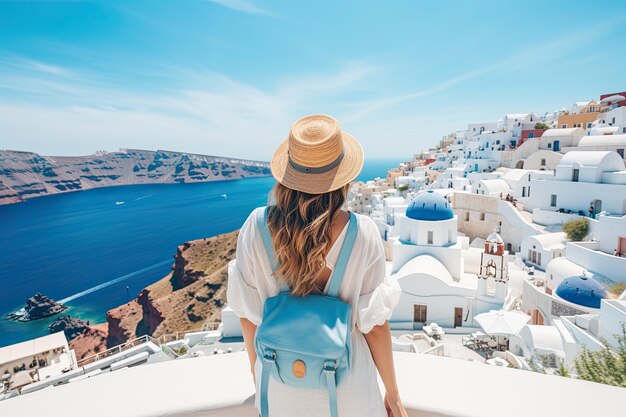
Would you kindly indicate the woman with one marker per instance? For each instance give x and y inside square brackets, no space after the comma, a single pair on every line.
[313,169]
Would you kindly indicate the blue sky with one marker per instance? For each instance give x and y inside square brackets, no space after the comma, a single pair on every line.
[228,77]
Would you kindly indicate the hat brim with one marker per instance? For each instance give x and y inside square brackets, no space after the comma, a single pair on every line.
[318,183]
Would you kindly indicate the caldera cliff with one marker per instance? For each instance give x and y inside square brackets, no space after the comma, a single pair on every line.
[26,175]
[191,295]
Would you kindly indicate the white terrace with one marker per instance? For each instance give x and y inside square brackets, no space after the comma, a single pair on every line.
[221,385]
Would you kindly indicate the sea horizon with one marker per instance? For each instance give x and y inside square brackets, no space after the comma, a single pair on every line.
[97,249]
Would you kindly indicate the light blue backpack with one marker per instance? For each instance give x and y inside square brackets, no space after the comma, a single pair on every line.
[305,341]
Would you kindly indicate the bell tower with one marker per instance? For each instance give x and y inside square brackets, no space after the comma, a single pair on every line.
[493,276]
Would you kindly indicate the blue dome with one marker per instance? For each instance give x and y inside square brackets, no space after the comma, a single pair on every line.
[429,206]
[581,290]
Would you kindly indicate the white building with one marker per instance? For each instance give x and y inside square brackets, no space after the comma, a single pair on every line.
[429,262]
[557,139]
[491,187]
[583,179]
[540,249]
[615,143]
[35,360]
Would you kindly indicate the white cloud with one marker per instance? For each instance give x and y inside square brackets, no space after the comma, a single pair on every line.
[218,115]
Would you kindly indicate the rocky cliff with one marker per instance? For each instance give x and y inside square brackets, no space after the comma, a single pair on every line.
[91,341]
[71,326]
[25,175]
[37,307]
[192,294]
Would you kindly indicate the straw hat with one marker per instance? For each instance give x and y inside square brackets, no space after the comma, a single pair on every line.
[318,156]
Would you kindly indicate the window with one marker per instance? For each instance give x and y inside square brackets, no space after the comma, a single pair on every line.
[430,237]
[588,125]
[620,152]
[543,162]
[531,135]
[563,126]
[549,146]
[575,174]
[482,216]
[529,191]
[420,313]
[467,216]
[534,257]
[553,200]
[523,191]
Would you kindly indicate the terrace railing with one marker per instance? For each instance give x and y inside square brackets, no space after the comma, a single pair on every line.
[117,349]
[171,337]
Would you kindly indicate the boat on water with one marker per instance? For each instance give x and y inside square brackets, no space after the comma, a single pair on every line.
[117,203]
[224,196]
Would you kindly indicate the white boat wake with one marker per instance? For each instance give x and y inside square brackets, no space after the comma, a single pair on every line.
[113,281]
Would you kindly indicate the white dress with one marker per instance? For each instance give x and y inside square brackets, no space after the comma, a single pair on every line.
[365,286]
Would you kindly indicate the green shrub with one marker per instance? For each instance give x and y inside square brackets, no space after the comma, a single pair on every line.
[604,366]
[541,125]
[576,230]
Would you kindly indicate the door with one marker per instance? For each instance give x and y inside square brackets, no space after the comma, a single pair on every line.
[557,146]
[575,174]
[597,206]
[458,317]
[621,247]
[419,315]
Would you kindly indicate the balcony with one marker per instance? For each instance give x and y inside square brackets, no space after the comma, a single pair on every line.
[589,256]
[221,385]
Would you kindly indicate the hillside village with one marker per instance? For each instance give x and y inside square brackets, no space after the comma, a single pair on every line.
[476,224]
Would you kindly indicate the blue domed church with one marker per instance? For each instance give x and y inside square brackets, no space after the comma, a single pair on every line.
[582,290]
[428,262]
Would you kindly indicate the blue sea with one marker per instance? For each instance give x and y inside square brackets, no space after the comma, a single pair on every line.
[95,250]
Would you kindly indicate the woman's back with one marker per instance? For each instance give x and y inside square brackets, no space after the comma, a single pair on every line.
[365,287]
[250,274]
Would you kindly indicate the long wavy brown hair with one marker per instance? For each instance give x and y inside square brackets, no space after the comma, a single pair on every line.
[300,226]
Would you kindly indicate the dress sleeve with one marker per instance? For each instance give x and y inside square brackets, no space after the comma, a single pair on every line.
[379,293]
[242,294]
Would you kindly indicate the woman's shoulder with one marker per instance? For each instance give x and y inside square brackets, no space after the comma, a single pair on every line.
[367,227]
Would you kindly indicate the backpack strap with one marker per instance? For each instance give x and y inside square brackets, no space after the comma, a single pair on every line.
[269,363]
[331,387]
[268,245]
[344,256]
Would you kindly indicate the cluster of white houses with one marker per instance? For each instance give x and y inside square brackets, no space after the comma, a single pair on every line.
[475,224]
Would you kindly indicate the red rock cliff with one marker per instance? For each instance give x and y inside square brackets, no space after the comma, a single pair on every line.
[191,295]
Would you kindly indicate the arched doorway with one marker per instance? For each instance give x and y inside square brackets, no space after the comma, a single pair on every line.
[520,164]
